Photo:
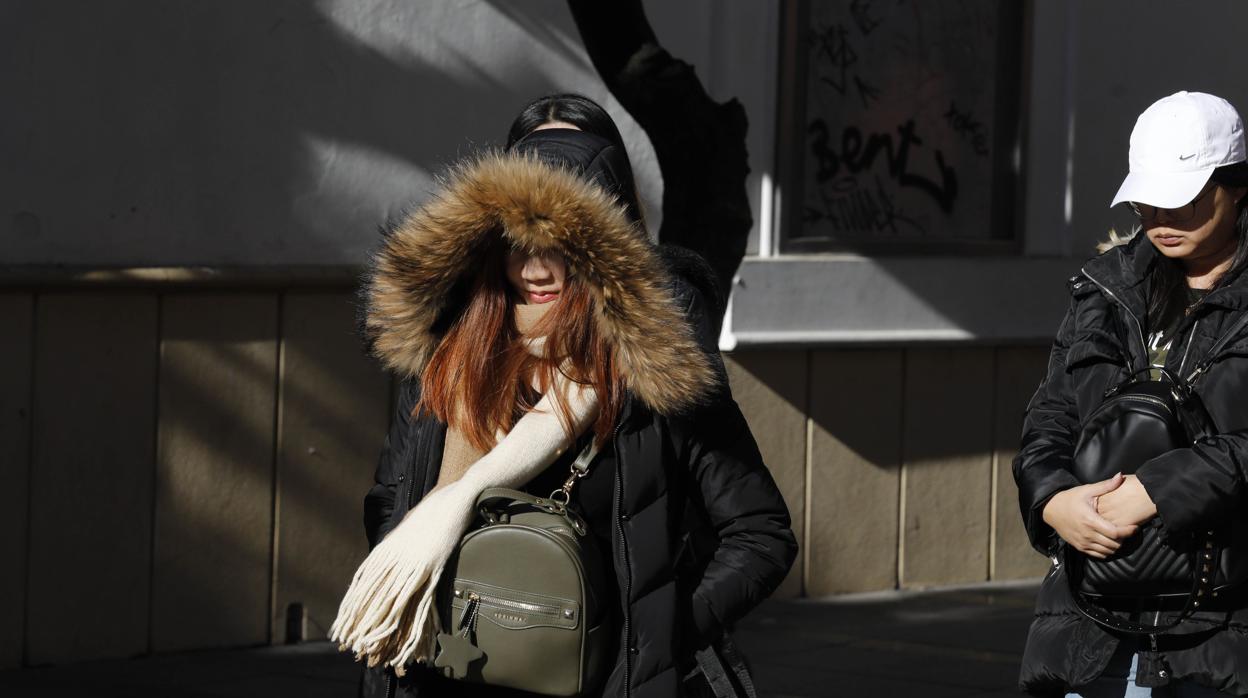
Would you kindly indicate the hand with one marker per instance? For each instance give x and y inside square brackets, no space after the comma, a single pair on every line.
[1072,514]
[1129,505]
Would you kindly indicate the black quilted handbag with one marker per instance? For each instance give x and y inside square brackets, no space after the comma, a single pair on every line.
[1139,420]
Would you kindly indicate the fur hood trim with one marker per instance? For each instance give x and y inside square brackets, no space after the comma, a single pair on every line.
[1115,239]
[538,207]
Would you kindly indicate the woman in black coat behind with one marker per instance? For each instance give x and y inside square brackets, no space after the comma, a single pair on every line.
[1161,299]
[694,526]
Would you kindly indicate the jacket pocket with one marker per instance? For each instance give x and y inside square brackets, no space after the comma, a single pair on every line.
[1095,362]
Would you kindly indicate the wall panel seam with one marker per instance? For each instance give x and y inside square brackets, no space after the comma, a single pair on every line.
[31,446]
[275,500]
[807,499]
[901,464]
[156,441]
[994,423]
[994,459]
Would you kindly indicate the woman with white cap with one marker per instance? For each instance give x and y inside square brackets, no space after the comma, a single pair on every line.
[1166,305]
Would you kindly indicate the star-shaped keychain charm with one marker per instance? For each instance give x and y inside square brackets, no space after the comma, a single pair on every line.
[456,652]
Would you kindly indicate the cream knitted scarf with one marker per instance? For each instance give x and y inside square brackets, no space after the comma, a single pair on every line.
[387,616]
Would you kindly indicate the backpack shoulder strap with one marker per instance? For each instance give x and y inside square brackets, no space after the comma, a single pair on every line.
[1227,337]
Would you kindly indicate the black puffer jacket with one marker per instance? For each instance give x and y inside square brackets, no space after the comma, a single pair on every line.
[702,534]
[1100,340]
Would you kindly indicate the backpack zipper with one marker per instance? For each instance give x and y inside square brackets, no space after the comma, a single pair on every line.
[468,617]
[1137,398]
[566,547]
[543,609]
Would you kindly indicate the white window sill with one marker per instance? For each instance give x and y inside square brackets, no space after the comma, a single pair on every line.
[849,299]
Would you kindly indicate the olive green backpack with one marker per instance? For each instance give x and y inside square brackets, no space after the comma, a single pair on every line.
[520,599]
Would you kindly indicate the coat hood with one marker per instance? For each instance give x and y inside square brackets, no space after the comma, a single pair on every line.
[541,205]
[592,157]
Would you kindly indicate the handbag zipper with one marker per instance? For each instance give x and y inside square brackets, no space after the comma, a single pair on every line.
[519,605]
[468,617]
[1146,398]
[563,545]
[1155,401]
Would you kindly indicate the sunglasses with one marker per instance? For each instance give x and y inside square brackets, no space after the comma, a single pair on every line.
[1148,213]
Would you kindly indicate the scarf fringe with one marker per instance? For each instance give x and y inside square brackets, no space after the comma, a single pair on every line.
[388,616]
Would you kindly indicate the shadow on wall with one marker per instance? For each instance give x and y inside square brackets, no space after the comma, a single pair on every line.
[220,464]
[221,133]
[882,404]
[901,450]
[266,420]
[233,133]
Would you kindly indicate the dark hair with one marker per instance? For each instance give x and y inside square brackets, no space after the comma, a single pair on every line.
[582,112]
[1167,284]
[588,116]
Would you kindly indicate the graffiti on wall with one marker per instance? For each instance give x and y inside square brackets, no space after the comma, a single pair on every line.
[899,122]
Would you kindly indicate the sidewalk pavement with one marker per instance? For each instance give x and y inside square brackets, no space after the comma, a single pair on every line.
[936,644]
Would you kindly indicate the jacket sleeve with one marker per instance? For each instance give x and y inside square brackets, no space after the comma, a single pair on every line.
[379,501]
[1198,487]
[1050,427]
[755,542]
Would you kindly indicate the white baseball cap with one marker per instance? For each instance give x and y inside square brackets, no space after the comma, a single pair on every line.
[1176,144]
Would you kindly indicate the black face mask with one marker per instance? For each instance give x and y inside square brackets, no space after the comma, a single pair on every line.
[593,157]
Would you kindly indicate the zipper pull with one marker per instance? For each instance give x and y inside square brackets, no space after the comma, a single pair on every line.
[1197,373]
[468,617]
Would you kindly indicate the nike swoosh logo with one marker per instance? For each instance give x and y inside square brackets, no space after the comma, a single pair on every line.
[1187,157]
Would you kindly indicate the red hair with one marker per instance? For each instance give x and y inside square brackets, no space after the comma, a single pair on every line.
[479,379]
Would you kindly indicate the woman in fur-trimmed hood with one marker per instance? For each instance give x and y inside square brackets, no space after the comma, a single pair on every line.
[526,311]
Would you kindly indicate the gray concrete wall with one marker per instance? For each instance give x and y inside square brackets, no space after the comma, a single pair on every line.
[215,133]
[200,132]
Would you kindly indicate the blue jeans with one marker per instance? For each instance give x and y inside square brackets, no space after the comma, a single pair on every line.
[1118,681]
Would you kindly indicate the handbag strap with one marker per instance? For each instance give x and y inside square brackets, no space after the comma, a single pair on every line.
[494,499]
[719,671]
[1218,346]
[1204,571]
[580,468]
